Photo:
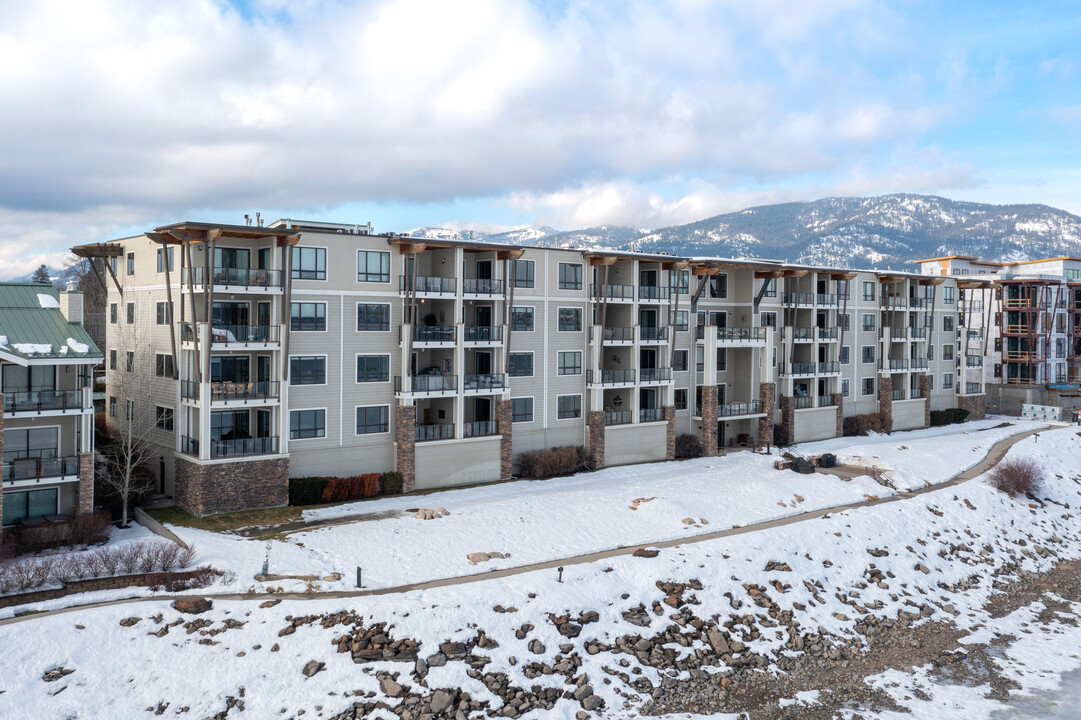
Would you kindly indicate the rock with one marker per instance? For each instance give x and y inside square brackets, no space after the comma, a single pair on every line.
[688,521]
[193,605]
[274,647]
[452,650]
[582,692]
[570,630]
[269,603]
[129,621]
[421,668]
[441,700]
[389,687]
[437,660]
[313,667]
[477,557]
[647,552]
[592,703]
[536,647]
[717,641]
[588,617]
[56,673]
[495,556]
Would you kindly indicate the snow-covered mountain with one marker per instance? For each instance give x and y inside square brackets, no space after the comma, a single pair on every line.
[889,231]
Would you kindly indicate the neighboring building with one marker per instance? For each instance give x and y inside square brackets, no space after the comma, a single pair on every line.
[1034,353]
[303,349]
[46,358]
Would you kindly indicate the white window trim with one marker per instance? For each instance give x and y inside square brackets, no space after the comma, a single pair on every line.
[511,327]
[581,408]
[326,270]
[866,394]
[581,319]
[390,370]
[866,362]
[326,323]
[844,392]
[390,421]
[326,371]
[582,284]
[317,437]
[533,410]
[687,394]
[532,363]
[581,362]
[167,407]
[390,271]
[532,286]
[874,322]
[390,318]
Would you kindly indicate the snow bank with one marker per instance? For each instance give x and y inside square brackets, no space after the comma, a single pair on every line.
[48,301]
[77,346]
[32,348]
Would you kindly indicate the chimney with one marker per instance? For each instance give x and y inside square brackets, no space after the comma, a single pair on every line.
[71,305]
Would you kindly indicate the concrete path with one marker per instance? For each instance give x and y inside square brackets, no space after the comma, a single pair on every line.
[994,455]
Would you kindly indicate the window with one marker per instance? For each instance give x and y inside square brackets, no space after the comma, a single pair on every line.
[947,295]
[699,358]
[930,352]
[373,266]
[947,381]
[846,322]
[308,370]
[722,359]
[129,406]
[771,288]
[307,424]
[947,323]
[523,275]
[867,354]
[374,419]
[163,418]
[162,254]
[521,410]
[373,368]
[570,363]
[521,318]
[844,387]
[163,365]
[769,319]
[568,406]
[680,318]
[305,316]
[679,360]
[868,321]
[680,401]
[373,317]
[131,263]
[164,313]
[570,319]
[131,361]
[309,263]
[570,276]
[682,283]
[845,359]
[112,407]
[947,352]
[718,286]
[112,313]
[869,291]
[843,289]
[131,313]
[868,386]
[112,359]
[29,504]
[520,364]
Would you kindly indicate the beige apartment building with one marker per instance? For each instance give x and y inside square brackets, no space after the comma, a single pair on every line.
[303,349]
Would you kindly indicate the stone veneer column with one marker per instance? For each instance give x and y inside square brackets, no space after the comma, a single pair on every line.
[503,418]
[767,403]
[84,503]
[595,420]
[788,418]
[405,437]
[838,399]
[1,482]
[925,391]
[709,420]
[670,434]
[885,401]
[975,404]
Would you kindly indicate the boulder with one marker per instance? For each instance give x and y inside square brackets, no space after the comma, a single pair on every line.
[312,667]
[192,605]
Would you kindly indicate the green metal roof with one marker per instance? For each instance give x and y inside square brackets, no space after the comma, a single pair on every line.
[32,327]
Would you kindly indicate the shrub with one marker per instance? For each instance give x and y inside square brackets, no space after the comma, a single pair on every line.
[948,416]
[780,436]
[862,424]
[129,556]
[563,460]
[186,555]
[306,491]
[91,529]
[688,446]
[1017,477]
[391,482]
[369,484]
[110,559]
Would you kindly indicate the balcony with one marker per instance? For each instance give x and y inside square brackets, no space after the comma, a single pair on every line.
[917,333]
[244,334]
[897,364]
[799,299]
[427,285]
[228,391]
[37,468]
[802,402]
[1022,356]
[617,418]
[974,307]
[736,335]
[617,335]
[653,334]
[827,333]
[479,428]
[240,447]
[918,363]
[482,286]
[610,377]
[1017,303]
[485,381]
[437,431]
[39,401]
[653,292]
[897,394]
[800,368]
[918,302]
[973,361]
[652,375]
[739,408]
[484,334]
[899,334]
[433,334]
[915,393]
[650,415]
[893,302]
[619,293]
[826,299]
[801,334]
[1017,330]
[428,384]
[825,401]
[237,277]
[831,366]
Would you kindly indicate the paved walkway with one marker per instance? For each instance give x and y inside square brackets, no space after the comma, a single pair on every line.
[994,455]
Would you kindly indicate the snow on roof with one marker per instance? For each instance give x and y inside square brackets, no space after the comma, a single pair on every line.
[48,301]
[81,348]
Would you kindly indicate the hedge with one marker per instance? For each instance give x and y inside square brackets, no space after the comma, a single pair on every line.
[862,424]
[564,460]
[316,490]
[307,490]
[949,416]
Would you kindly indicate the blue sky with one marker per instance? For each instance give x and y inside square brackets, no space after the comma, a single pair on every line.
[120,116]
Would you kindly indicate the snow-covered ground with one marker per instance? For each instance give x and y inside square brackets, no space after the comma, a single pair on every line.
[120,671]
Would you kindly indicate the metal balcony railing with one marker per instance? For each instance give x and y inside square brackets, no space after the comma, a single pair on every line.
[621,417]
[17,401]
[656,374]
[617,334]
[479,428]
[890,302]
[650,414]
[38,468]
[245,277]
[485,381]
[915,393]
[438,431]
[898,333]
[427,284]
[898,364]
[802,333]
[799,298]
[826,299]
[223,334]
[610,377]
[428,383]
[739,408]
[824,401]
[612,292]
[897,394]
[243,446]
[918,363]
[230,390]
[741,333]
[483,333]
[800,368]
[827,333]
[830,366]
[972,387]
[652,292]
[973,361]
[917,333]
[482,286]
[433,333]
[653,333]
[801,402]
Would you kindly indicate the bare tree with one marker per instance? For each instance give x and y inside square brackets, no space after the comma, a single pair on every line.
[90,279]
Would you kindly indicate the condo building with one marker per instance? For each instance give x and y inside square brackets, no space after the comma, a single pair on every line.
[254,354]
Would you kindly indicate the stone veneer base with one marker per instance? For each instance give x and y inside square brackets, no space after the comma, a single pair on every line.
[767,399]
[405,441]
[595,420]
[709,420]
[221,487]
[975,404]
[885,401]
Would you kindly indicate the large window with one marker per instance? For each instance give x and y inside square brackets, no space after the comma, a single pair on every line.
[520,364]
[681,399]
[845,355]
[307,316]
[521,318]
[681,282]
[307,424]
[163,365]
[112,359]
[163,418]
[29,504]
[867,386]
[680,318]
[679,360]
[112,313]
[523,273]
[947,352]
[947,381]
[373,266]
[373,317]
[164,313]
[869,291]
[771,288]
[718,286]
[131,263]
[568,406]
[373,368]
[947,323]
[867,354]
[570,276]
[308,370]
[521,409]
[131,313]
[769,319]
[309,263]
[868,321]
[844,387]
[570,319]
[570,363]
[948,295]
[373,419]
[162,254]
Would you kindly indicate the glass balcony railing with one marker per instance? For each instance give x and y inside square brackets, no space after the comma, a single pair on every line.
[612,292]
[801,402]
[438,431]
[897,394]
[243,277]
[610,377]
[232,448]
[739,408]
[482,286]
[618,334]
[653,333]
[485,381]
[652,292]
[831,366]
[38,468]
[483,333]
[427,284]
[650,414]
[656,374]
[617,418]
[433,333]
[224,334]
[824,401]
[972,387]
[741,333]
[799,298]
[479,428]
[16,401]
